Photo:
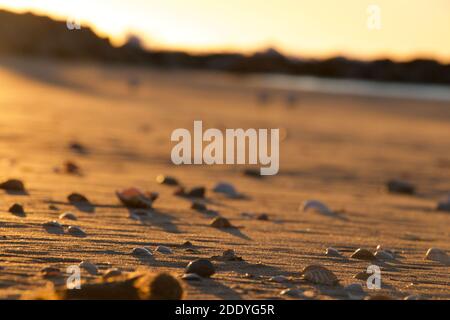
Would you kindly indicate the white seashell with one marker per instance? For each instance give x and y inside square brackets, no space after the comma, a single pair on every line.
[164,249]
[142,252]
[436,254]
[332,252]
[316,205]
[279,279]
[89,267]
[191,277]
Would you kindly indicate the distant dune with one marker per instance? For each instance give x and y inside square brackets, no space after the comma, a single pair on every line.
[32,35]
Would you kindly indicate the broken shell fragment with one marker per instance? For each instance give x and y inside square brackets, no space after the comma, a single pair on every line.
[68,216]
[13,185]
[363,254]
[319,275]
[89,267]
[135,198]
[167,180]
[316,205]
[202,267]
[142,252]
[17,210]
[221,223]
[435,254]
[399,186]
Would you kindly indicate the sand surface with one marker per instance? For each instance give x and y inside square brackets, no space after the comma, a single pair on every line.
[337,149]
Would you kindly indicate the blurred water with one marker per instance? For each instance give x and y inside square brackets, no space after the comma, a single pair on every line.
[354,87]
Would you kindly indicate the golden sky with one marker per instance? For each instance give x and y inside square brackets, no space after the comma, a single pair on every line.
[313,28]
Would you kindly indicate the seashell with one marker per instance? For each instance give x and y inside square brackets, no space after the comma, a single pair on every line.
[111,273]
[67,216]
[202,267]
[279,279]
[164,250]
[89,267]
[316,205]
[167,180]
[17,209]
[226,189]
[191,277]
[135,198]
[443,206]
[438,255]
[221,223]
[77,198]
[355,291]
[142,252]
[363,254]
[198,206]
[262,217]
[197,192]
[76,231]
[292,292]
[162,286]
[319,275]
[399,186]
[52,224]
[50,272]
[332,252]
[384,255]
[13,185]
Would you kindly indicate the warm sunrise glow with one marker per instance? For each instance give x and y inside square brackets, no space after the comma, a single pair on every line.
[410,28]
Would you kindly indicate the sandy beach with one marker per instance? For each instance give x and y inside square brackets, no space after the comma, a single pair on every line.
[337,149]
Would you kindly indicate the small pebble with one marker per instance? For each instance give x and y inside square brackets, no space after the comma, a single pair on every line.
[332,252]
[167,180]
[198,206]
[187,244]
[202,267]
[227,189]
[52,224]
[221,223]
[76,231]
[17,209]
[89,267]
[363,254]
[53,207]
[135,198]
[402,187]
[67,216]
[262,217]
[78,147]
[164,250]
[197,192]
[142,252]
[384,255]
[71,167]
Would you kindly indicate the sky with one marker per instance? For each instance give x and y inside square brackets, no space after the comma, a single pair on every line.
[308,28]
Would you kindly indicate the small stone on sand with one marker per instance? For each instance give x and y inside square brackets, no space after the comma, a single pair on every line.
[221,223]
[135,198]
[202,267]
[164,250]
[89,267]
[402,187]
[77,198]
[363,254]
[13,185]
[76,231]
[142,252]
[332,252]
[67,216]
[167,180]
[227,189]
[17,210]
